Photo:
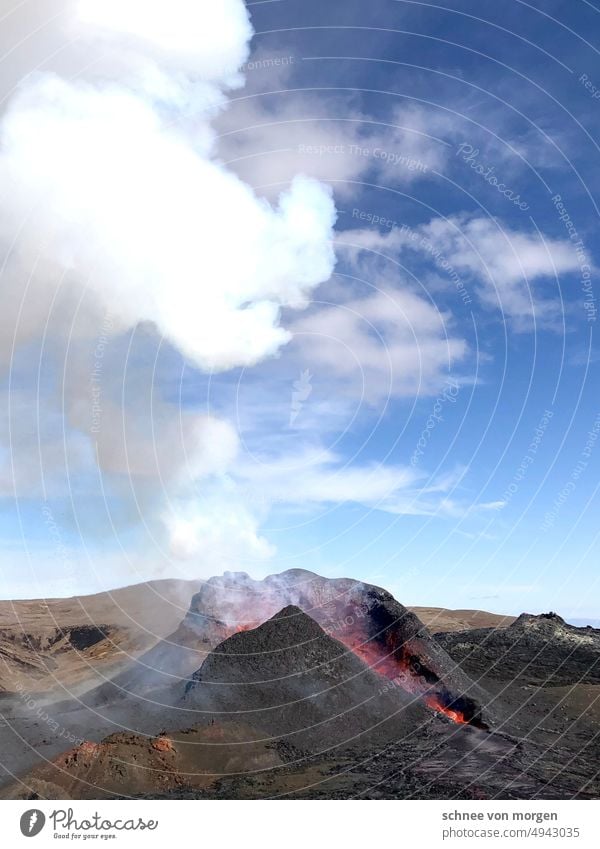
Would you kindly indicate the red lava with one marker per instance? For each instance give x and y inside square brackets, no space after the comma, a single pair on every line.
[391,664]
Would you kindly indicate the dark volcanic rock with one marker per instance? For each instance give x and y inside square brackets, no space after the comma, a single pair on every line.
[368,619]
[544,677]
[292,681]
[535,649]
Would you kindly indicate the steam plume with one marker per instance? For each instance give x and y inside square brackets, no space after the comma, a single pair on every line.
[114,203]
[117,186]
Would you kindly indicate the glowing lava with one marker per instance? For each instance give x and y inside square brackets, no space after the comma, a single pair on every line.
[455,715]
[394,665]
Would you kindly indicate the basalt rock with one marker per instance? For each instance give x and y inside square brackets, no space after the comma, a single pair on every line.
[541,650]
[367,619]
[295,683]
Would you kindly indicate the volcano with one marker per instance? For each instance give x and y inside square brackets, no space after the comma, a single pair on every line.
[366,619]
[299,686]
[284,709]
[292,681]
[273,703]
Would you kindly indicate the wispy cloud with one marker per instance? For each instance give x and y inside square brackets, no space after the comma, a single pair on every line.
[503,262]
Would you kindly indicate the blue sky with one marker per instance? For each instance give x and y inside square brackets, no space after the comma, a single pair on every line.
[429,420]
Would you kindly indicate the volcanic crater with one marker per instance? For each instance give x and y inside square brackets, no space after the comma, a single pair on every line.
[305,686]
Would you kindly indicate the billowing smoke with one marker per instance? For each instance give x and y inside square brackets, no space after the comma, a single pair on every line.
[113,181]
[116,214]
[209,38]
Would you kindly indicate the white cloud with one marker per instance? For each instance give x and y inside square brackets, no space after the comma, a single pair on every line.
[391,343]
[314,476]
[155,230]
[268,140]
[209,38]
[506,261]
[313,479]
[117,214]
[503,262]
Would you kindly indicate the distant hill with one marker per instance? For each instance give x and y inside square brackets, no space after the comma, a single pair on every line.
[45,641]
[439,619]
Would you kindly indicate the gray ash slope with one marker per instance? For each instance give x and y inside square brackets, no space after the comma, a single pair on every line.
[292,681]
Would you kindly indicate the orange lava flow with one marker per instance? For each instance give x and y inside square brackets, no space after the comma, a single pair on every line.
[455,715]
[389,666]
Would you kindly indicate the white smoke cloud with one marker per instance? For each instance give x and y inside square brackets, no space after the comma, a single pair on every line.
[134,206]
[211,39]
[110,181]
[216,535]
[114,203]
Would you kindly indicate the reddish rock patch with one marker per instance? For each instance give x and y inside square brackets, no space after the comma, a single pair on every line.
[163,744]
